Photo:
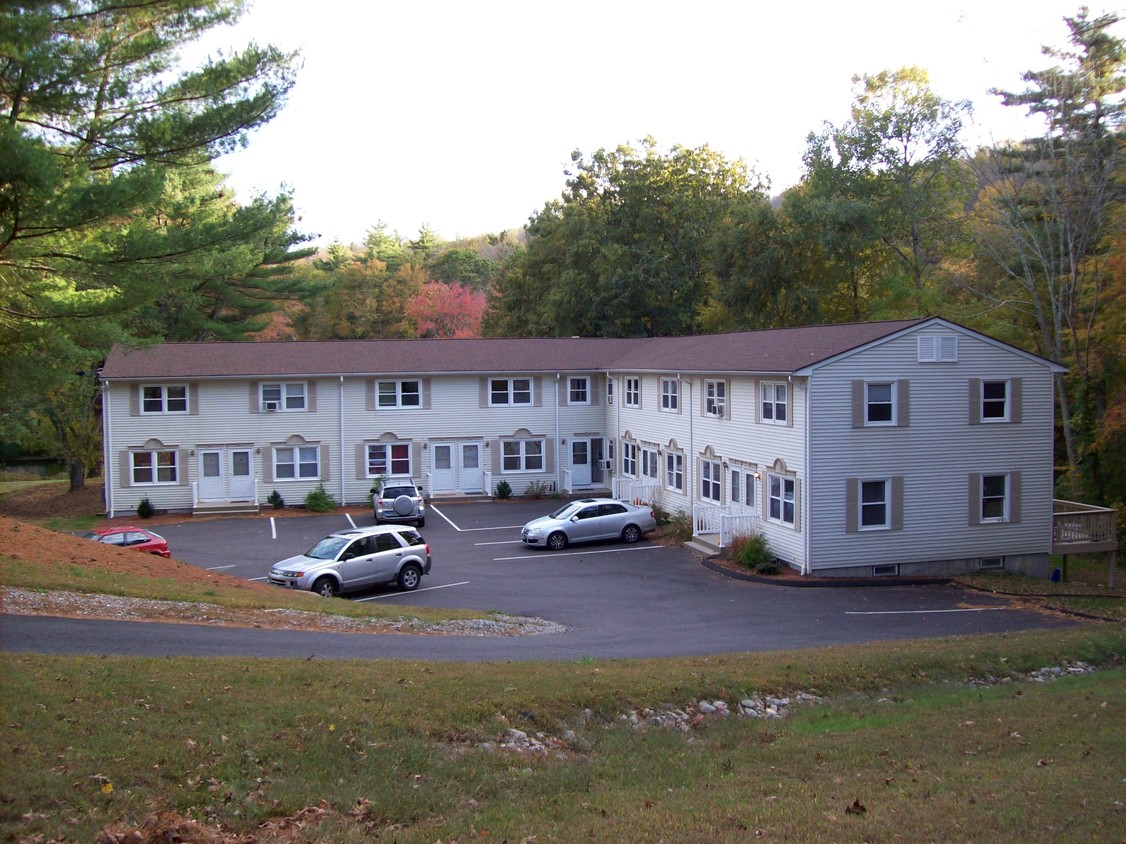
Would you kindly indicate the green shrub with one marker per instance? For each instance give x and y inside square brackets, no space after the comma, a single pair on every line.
[145,509]
[276,500]
[753,553]
[319,501]
[659,513]
[504,490]
[537,489]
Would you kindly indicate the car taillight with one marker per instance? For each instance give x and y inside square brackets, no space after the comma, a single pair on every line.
[427,549]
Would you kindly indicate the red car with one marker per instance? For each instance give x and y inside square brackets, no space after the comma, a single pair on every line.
[132,537]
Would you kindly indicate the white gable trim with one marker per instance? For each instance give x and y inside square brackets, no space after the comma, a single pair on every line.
[934,322]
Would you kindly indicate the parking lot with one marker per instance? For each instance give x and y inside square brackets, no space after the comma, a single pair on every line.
[616,600]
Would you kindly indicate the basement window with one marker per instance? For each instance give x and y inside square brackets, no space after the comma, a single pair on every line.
[885,571]
[992,564]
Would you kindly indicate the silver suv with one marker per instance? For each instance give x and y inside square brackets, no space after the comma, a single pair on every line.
[355,559]
[398,500]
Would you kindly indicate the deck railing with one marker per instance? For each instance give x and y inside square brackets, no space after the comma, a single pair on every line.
[1083,528]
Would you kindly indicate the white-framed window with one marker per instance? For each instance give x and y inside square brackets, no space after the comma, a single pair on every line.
[609,391]
[287,395]
[750,488]
[736,486]
[629,459]
[389,459]
[507,391]
[715,398]
[782,499]
[522,456]
[994,498]
[650,467]
[164,398]
[674,471]
[578,390]
[995,401]
[633,392]
[875,504]
[774,395]
[938,348]
[711,480]
[670,395]
[154,467]
[879,403]
[398,394]
[297,462]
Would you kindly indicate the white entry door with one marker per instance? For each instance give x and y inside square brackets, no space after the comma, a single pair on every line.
[211,484]
[472,475]
[242,474]
[580,463]
[442,476]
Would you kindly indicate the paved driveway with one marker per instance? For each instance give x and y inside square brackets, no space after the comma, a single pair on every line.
[618,601]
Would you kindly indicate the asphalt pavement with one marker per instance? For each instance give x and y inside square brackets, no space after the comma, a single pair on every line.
[616,601]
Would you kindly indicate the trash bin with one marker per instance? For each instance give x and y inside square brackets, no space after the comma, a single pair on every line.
[1056,575]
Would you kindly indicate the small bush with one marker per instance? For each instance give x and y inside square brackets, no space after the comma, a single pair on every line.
[504,490]
[145,509]
[276,500]
[659,513]
[753,553]
[537,489]
[319,501]
[679,526]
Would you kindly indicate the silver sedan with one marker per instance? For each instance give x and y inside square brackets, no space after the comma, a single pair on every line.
[589,519]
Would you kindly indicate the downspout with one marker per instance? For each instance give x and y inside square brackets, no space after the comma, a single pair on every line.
[808,472]
[690,463]
[107,464]
[558,448]
[342,501]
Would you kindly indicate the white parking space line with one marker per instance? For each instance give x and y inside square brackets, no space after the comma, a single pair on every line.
[427,589]
[219,568]
[453,524]
[256,578]
[926,612]
[545,554]
[503,542]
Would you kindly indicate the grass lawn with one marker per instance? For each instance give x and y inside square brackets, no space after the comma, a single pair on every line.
[901,747]
[926,740]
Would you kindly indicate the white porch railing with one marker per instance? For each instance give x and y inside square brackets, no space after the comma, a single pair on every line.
[737,524]
[488,482]
[724,522]
[567,481]
[625,489]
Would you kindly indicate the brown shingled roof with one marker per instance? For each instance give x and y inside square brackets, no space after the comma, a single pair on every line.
[781,350]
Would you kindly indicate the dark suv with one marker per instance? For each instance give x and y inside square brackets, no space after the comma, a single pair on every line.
[398,500]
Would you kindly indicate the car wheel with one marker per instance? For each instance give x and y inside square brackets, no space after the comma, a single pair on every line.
[421,523]
[409,577]
[631,533]
[557,541]
[326,587]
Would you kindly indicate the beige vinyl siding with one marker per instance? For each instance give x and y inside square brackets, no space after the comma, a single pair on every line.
[935,454]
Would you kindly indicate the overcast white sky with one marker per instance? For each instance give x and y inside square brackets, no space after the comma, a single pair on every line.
[463,115]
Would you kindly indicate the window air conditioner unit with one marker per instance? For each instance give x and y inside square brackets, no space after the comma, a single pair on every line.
[271,405]
[607,464]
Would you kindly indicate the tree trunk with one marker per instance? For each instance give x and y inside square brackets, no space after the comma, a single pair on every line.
[77,470]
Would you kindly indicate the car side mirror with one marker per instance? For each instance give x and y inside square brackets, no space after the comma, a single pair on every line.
[347,556]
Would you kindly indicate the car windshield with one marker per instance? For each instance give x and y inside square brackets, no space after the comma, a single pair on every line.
[566,511]
[327,548]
